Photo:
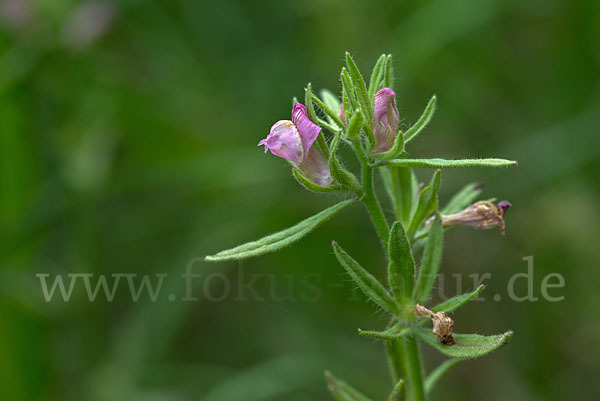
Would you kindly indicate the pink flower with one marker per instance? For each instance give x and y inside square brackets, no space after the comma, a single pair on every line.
[293,140]
[385,120]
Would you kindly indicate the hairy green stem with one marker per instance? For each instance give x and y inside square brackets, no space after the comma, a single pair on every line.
[414,370]
[370,199]
[395,356]
[403,355]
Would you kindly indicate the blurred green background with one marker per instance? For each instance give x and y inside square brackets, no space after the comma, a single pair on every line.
[128,135]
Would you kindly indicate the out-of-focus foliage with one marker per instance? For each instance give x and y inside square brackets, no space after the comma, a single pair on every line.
[128,135]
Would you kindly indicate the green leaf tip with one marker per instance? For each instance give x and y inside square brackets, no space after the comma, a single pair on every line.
[362,95]
[422,122]
[281,239]
[458,301]
[376,81]
[398,393]
[388,78]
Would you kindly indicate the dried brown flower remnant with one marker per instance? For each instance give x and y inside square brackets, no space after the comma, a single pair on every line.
[482,214]
[442,324]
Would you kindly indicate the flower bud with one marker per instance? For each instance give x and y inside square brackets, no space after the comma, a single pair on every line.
[385,120]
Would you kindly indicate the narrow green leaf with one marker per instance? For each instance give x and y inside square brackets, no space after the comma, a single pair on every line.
[396,331]
[355,125]
[350,94]
[359,86]
[439,372]
[343,391]
[332,115]
[366,281]
[462,199]
[347,105]
[376,77]
[388,78]
[466,345]
[274,242]
[422,122]
[442,163]
[311,186]
[401,268]
[427,203]
[399,392]
[430,263]
[458,301]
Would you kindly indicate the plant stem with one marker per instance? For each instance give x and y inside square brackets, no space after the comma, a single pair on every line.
[414,370]
[395,356]
[370,199]
[403,355]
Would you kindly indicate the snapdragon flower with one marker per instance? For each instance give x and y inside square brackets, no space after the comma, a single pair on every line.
[293,140]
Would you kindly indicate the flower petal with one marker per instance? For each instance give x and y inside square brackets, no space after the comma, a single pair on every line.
[309,131]
[284,141]
[316,168]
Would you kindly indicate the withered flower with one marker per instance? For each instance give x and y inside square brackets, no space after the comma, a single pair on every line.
[482,214]
[442,324]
